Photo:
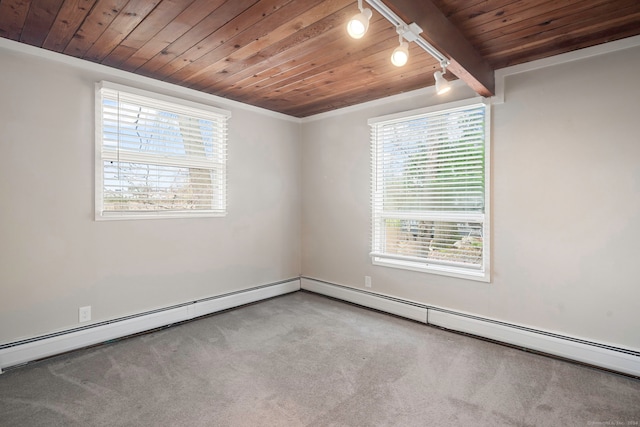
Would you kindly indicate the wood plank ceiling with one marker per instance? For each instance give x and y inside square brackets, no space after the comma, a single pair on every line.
[294,56]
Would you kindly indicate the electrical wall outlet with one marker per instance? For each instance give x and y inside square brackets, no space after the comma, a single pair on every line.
[84,314]
[367,281]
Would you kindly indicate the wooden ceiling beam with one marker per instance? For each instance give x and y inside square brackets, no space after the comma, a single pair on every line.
[465,61]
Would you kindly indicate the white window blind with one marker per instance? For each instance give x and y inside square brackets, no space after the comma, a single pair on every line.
[158,156]
[429,191]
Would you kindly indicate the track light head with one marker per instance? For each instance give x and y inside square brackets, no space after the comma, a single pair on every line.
[400,55]
[442,85]
[359,23]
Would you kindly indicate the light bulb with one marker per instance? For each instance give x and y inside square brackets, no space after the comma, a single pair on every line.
[442,85]
[359,24]
[400,55]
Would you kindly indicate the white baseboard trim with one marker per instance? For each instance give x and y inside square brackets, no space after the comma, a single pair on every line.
[24,351]
[597,354]
[366,299]
[587,353]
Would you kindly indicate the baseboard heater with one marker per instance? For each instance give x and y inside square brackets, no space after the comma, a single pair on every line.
[605,356]
[23,351]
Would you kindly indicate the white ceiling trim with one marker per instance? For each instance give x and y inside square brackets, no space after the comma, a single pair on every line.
[132,79]
[500,76]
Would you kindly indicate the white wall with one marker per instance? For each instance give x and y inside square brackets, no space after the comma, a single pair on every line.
[565,187]
[54,257]
[565,203]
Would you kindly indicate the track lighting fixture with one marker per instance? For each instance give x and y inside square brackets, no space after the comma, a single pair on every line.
[400,55]
[359,23]
[442,85]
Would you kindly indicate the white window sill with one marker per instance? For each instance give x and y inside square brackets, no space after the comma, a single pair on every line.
[424,267]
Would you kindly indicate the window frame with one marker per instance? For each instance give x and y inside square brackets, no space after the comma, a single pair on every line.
[483,273]
[153,158]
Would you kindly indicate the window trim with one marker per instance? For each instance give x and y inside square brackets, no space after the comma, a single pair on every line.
[100,214]
[483,274]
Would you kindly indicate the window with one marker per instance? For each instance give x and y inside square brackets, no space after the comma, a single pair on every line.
[158,156]
[429,192]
